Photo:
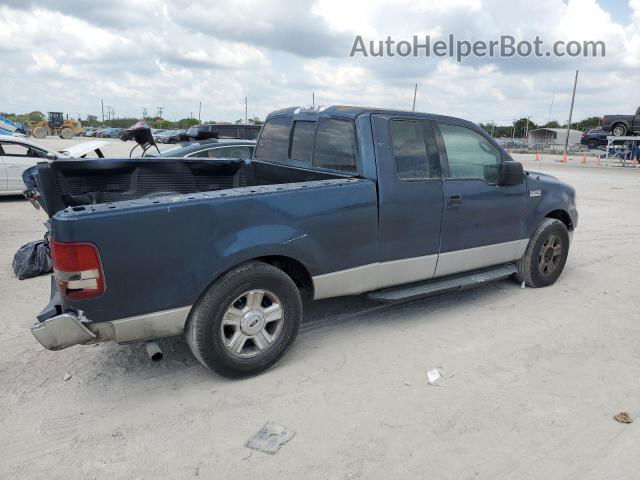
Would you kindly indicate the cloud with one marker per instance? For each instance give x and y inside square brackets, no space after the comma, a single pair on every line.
[67,55]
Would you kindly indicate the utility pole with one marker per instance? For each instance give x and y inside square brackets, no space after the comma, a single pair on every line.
[102,103]
[551,107]
[313,99]
[493,127]
[144,113]
[199,111]
[526,130]
[245,110]
[160,111]
[415,92]
[573,98]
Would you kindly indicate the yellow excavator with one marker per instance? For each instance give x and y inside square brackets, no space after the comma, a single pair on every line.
[56,125]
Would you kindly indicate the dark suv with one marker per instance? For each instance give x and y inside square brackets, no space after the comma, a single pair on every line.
[205,131]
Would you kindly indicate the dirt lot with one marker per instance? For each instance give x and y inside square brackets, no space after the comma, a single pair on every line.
[535,377]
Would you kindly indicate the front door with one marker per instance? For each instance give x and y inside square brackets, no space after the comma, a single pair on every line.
[410,198]
[483,223]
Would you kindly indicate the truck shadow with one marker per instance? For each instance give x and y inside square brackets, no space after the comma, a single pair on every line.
[322,320]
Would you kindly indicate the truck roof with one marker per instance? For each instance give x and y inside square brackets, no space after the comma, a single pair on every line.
[352,112]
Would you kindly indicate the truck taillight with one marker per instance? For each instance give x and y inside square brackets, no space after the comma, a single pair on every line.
[77,269]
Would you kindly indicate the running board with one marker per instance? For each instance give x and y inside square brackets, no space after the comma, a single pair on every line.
[440,285]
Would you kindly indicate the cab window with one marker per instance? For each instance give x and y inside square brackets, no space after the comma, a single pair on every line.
[302,141]
[273,144]
[470,155]
[335,146]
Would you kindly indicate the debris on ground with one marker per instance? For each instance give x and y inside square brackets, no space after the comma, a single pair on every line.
[32,259]
[434,377]
[270,438]
[67,376]
[623,417]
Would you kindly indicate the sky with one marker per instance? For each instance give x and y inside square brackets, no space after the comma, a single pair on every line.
[67,55]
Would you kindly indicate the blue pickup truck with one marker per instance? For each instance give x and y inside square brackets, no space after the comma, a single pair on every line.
[340,201]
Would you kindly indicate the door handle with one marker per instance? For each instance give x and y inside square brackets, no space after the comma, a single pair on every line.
[454,201]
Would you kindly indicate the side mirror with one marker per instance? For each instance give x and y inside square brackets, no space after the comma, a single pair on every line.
[51,156]
[511,173]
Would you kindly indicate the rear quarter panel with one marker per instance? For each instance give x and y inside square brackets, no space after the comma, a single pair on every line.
[162,253]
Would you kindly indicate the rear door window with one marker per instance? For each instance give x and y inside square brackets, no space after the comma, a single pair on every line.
[302,141]
[410,150]
[335,146]
[273,144]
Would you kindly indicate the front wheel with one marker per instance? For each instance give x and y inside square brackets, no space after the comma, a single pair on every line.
[246,321]
[546,254]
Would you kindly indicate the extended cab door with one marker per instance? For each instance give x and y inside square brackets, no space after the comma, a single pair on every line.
[410,198]
[483,223]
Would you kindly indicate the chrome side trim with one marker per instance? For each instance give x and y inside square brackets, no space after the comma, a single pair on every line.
[479,257]
[166,323]
[346,282]
[406,270]
[373,276]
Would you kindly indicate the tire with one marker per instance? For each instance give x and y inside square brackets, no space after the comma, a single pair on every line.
[619,130]
[40,132]
[592,144]
[66,133]
[546,255]
[228,311]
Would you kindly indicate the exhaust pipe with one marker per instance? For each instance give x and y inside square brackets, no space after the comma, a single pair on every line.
[154,351]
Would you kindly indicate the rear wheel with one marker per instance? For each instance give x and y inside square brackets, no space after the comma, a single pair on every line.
[619,130]
[592,144]
[40,132]
[246,321]
[546,254]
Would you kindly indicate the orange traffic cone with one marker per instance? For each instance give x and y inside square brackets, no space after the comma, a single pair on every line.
[584,158]
[564,159]
[538,158]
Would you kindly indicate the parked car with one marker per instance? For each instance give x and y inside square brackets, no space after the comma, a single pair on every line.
[18,154]
[216,130]
[175,136]
[224,148]
[337,202]
[621,125]
[111,132]
[594,138]
[90,132]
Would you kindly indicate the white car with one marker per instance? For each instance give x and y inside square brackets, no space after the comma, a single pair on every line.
[17,154]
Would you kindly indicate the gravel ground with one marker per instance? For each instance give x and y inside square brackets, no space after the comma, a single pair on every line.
[534,377]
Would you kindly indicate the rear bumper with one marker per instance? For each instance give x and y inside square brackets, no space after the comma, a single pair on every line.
[62,331]
[71,328]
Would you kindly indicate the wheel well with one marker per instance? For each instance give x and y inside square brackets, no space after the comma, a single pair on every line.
[296,270]
[563,217]
[624,124]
